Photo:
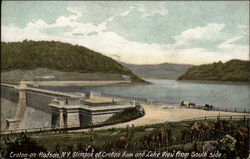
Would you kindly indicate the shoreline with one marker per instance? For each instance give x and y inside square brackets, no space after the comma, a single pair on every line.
[200,81]
[214,82]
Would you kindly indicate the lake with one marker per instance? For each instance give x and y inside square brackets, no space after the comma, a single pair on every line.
[163,91]
[173,92]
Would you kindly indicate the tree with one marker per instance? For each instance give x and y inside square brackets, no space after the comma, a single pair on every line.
[22,144]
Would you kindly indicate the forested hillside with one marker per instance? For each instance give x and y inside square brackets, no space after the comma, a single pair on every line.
[233,70]
[31,55]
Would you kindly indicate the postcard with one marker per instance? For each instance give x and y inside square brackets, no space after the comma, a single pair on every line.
[125,79]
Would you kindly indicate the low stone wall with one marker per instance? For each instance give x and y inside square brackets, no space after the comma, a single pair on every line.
[73,83]
[88,118]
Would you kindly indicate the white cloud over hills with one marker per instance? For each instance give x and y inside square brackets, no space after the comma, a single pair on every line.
[184,49]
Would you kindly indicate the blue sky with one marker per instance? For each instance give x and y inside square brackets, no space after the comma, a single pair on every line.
[136,32]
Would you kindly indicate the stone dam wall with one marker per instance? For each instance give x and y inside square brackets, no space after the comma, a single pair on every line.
[33,109]
[34,98]
[10,93]
[39,100]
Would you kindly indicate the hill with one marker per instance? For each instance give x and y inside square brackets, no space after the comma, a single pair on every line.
[231,71]
[160,71]
[57,56]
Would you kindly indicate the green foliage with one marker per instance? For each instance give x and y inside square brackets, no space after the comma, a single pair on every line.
[23,144]
[233,70]
[30,55]
[231,138]
[228,143]
[126,115]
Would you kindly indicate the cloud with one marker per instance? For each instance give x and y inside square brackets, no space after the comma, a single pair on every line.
[117,47]
[243,26]
[228,44]
[103,25]
[75,11]
[209,32]
[152,10]
[78,34]
[68,20]
[92,33]
[244,30]
[231,49]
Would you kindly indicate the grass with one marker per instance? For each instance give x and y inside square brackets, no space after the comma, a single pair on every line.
[176,136]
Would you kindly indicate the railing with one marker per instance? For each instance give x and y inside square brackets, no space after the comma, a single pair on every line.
[232,109]
[223,108]
[224,117]
[45,129]
[111,103]
[66,94]
[12,83]
[9,85]
[77,127]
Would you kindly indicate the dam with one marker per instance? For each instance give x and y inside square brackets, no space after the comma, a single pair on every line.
[67,109]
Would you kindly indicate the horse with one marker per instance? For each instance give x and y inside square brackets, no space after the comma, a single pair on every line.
[208,107]
[191,104]
[211,107]
[187,104]
[184,103]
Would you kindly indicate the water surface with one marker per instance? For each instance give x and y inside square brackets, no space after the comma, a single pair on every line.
[173,92]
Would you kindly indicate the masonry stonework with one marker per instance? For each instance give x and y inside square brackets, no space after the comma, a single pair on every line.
[67,109]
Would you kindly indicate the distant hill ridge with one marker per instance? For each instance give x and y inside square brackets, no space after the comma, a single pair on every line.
[231,71]
[31,55]
[158,71]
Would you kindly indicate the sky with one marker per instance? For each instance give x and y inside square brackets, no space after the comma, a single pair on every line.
[136,32]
